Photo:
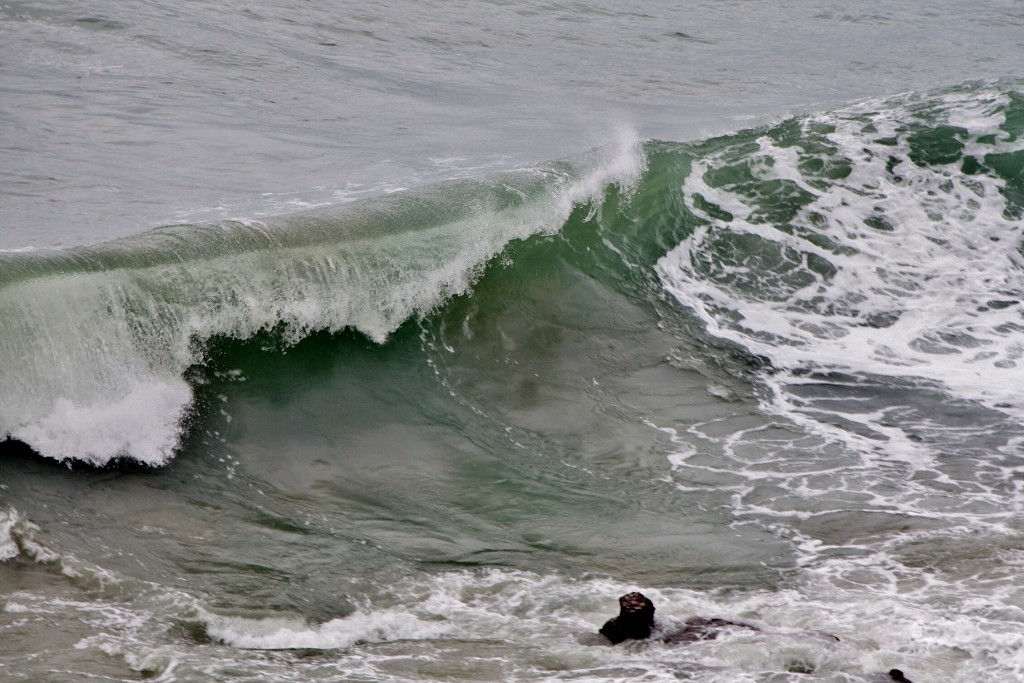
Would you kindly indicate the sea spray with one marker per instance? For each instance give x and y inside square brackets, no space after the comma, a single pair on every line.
[96,340]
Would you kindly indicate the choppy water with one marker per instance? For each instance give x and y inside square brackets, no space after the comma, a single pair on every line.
[465,320]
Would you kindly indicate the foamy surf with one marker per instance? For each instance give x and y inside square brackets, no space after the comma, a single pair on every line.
[8,546]
[293,634]
[929,620]
[896,253]
[497,623]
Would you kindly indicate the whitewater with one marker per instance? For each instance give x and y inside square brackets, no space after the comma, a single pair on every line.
[396,342]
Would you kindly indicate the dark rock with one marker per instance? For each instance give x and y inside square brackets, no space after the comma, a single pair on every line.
[635,620]
[825,635]
[702,628]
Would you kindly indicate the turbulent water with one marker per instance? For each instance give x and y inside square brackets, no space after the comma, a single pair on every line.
[428,425]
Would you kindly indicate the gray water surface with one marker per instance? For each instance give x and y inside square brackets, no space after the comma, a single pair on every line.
[116,117]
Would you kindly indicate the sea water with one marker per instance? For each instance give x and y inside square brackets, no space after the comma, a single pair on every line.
[396,341]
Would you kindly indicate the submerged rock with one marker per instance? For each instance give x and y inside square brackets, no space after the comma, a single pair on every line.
[702,628]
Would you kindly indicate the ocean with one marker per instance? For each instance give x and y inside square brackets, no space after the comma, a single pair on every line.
[396,341]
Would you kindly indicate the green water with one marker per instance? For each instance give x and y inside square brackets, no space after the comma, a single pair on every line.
[768,376]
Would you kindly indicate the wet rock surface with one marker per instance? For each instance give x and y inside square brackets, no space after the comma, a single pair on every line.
[636,622]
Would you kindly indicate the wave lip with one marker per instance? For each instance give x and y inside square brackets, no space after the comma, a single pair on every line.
[96,340]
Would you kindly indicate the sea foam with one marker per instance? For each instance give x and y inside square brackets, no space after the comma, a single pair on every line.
[894,264]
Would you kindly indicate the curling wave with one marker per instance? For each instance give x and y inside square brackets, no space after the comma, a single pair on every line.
[96,340]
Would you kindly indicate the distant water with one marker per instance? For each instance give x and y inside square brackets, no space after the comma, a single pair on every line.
[395,342]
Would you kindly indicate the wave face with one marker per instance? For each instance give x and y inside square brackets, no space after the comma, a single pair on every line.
[877,244]
[97,340]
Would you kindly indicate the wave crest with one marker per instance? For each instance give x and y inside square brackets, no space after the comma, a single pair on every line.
[96,340]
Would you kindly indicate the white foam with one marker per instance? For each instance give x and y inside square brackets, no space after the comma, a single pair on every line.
[143,424]
[286,634]
[904,519]
[501,624]
[18,539]
[953,249]
[8,547]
